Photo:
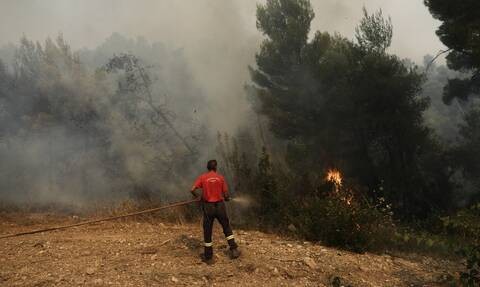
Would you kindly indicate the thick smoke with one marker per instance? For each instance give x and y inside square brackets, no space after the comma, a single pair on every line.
[74,132]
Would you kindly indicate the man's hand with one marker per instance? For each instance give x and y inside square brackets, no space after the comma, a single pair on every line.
[194,194]
[226,197]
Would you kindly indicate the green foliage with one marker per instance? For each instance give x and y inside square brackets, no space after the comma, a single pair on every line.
[286,23]
[374,32]
[459,32]
[354,225]
[423,241]
[268,196]
[465,223]
[350,105]
[464,227]
[471,277]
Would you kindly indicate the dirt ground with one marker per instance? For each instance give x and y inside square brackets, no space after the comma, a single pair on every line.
[143,252]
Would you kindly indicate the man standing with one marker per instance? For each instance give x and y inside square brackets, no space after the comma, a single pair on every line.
[214,194]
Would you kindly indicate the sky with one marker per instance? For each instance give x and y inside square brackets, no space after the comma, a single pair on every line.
[183,23]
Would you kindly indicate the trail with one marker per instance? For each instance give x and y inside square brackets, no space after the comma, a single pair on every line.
[147,252]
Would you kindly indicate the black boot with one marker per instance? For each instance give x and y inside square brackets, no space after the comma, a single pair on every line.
[208,255]
[234,253]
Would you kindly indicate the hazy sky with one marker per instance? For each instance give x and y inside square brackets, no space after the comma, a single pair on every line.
[187,23]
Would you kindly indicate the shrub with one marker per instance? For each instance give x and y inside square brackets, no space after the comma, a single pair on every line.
[352,224]
[471,277]
[465,224]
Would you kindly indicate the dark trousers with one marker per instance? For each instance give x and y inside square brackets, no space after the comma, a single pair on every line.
[212,210]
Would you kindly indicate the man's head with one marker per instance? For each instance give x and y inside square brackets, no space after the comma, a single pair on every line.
[212,165]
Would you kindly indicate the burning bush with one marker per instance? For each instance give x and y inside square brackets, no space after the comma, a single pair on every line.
[342,217]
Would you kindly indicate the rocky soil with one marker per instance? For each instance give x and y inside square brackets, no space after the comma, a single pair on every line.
[146,252]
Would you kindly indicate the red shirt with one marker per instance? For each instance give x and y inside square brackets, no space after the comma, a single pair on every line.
[213,185]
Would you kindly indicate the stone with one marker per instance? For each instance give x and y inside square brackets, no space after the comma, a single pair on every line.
[310,262]
[90,271]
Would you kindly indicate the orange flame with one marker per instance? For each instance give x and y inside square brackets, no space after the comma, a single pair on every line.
[334,176]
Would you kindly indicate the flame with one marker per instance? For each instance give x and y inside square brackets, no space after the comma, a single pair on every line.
[334,176]
[348,199]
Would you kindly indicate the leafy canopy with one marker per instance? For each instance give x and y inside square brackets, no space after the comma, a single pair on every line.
[460,32]
[345,103]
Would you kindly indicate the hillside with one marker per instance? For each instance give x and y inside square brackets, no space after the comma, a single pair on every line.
[144,252]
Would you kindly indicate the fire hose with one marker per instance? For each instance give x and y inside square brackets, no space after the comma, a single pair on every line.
[175,204]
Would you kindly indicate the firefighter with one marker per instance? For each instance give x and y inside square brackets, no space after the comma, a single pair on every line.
[214,194]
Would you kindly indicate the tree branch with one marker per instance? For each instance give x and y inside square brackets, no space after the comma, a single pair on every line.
[436,57]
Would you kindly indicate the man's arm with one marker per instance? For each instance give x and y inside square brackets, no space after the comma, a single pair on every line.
[196,185]
[226,194]
[194,194]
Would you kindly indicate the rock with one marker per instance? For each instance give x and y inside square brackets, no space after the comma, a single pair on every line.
[174,279]
[98,281]
[310,262]
[288,274]
[90,271]
[148,250]
[39,244]
[153,257]
[292,228]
